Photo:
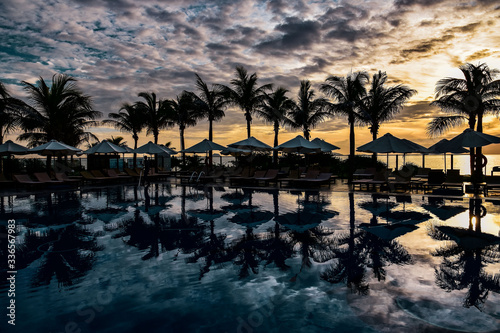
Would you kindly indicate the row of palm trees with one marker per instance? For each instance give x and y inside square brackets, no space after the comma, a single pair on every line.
[62,112]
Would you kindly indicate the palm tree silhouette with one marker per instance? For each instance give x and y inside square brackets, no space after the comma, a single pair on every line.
[155,114]
[58,112]
[347,92]
[128,119]
[211,103]
[246,94]
[382,103]
[184,114]
[467,99]
[274,109]
[10,112]
[308,111]
[464,261]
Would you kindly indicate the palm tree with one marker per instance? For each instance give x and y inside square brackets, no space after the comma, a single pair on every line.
[308,111]
[383,103]
[117,141]
[155,113]
[246,94]
[274,109]
[58,112]
[10,112]
[184,114]
[211,103]
[348,92]
[128,119]
[468,100]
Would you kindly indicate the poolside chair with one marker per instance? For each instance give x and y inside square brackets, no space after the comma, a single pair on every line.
[90,177]
[453,180]
[43,177]
[434,180]
[399,182]
[98,174]
[292,175]
[131,172]
[112,173]
[323,178]
[64,178]
[270,176]
[26,180]
[4,181]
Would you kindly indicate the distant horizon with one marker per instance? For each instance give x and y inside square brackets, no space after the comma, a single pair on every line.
[116,50]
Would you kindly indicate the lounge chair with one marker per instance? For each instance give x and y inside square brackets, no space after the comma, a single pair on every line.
[98,174]
[434,180]
[26,180]
[270,176]
[64,178]
[131,172]
[321,179]
[4,181]
[453,180]
[43,177]
[399,182]
[90,177]
[292,175]
[112,173]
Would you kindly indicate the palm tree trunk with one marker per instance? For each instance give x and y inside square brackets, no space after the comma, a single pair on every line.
[479,150]
[249,121]
[135,154]
[351,151]
[210,137]
[374,155]
[275,152]
[181,134]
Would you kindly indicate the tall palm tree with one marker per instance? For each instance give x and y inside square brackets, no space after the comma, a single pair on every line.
[59,111]
[184,114]
[382,103]
[128,119]
[308,111]
[211,103]
[347,93]
[10,112]
[155,113]
[246,94]
[117,140]
[467,99]
[274,109]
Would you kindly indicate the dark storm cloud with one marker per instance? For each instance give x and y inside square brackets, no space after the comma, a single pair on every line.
[423,49]
[318,65]
[296,34]
[161,15]
[423,3]
[419,110]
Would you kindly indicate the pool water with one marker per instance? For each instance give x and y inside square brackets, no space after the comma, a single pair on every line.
[172,258]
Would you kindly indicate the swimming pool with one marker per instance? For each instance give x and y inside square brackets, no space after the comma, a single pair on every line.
[217,259]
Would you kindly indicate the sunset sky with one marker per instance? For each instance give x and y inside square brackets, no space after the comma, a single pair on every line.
[118,48]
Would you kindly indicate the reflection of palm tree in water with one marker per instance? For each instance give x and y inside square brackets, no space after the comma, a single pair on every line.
[465,259]
[67,253]
[358,249]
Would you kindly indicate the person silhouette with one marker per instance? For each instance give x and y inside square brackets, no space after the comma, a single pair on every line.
[146,167]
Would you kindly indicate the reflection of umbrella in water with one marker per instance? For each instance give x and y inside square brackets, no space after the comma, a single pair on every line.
[251,218]
[207,214]
[405,216]
[469,239]
[301,221]
[389,231]
[444,212]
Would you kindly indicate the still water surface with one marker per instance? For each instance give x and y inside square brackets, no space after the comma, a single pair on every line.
[181,259]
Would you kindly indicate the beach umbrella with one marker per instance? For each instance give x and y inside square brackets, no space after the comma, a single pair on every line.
[298,145]
[444,212]
[12,148]
[150,148]
[54,148]
[469,239]
[326,147]
[105,147]
[471,139]
[388,143]
[251,144]
[203,146]
[251,218]
[444,146]
[235,151]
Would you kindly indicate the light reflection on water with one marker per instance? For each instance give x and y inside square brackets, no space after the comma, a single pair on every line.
[243,260]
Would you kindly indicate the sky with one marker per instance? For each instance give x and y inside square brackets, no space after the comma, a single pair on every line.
[119,48]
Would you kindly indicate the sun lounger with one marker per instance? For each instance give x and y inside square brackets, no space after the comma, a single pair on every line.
[322,179]
[435,180]
[26,180]
[43,177]
[4,181]
[270,176]
[112,173]
[64,178]
[90,177]
[131,172]
[453,180]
